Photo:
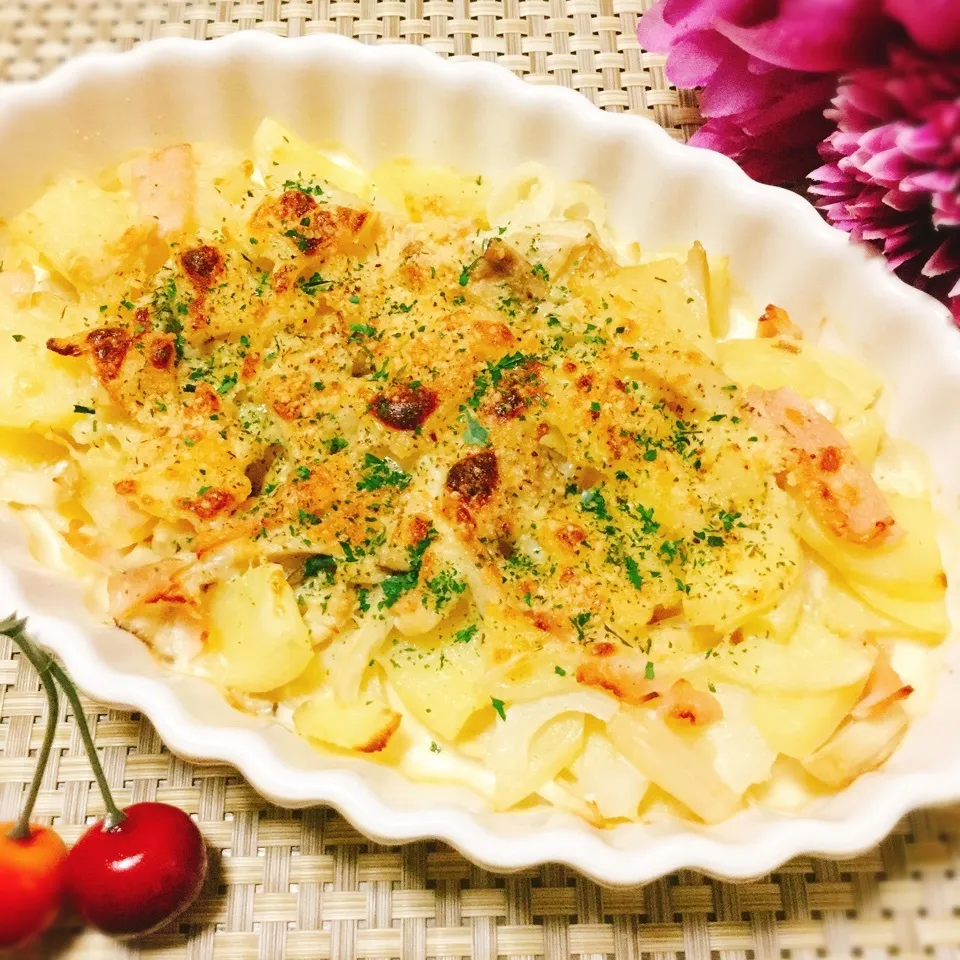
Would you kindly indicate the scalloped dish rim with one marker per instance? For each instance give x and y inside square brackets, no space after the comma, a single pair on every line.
[753,843]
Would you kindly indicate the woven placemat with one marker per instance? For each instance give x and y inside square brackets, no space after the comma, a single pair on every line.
[589,45]
[305,884]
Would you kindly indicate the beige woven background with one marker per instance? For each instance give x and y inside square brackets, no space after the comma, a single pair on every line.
[306,885]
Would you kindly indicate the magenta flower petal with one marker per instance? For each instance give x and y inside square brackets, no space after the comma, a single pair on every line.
[731,91]
[763,64]
[892,171]
[828,173]
[933,24]
[904,202]
[891,164]
[944,261]
[946,210]
[653,32]
[696,58]
[742,53]
[806,93]
[682,16]
[933,182]
[787,162]
[664,24]
[814,35]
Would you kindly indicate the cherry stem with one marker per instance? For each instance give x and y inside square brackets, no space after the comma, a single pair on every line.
[115,816]
[49,671]
[13,628]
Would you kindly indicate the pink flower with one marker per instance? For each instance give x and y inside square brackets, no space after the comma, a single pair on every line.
[776,141]
[932,24]
[892,176]
[820,36]
[768,69]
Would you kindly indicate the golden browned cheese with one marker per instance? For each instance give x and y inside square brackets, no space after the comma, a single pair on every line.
[340,384]
[424,465]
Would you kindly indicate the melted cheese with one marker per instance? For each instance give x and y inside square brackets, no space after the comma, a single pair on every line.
[455,417]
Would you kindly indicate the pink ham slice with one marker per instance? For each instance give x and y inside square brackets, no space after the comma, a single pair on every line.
[822,471]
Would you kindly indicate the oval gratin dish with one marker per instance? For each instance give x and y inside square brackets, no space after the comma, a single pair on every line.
[400,101]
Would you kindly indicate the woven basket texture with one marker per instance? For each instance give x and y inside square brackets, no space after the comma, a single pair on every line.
[589,45]
[305,885]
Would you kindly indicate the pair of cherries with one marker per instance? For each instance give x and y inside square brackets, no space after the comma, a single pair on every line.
[130,872]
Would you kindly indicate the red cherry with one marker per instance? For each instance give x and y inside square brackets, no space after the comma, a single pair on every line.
[31,883]
[134,877]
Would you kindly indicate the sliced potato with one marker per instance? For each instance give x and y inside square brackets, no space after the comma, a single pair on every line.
[864,433]
[921,668]
[31,468]
[780,620]
[365,725]
[858,746]
[797,724]
[425,192]
[223,187]
[758,572]
[718,296]
[308,682]
[561,793]
[852,608]
[85,233]
[670,291]
[348,657]
[670,761]
[281,156]
[536,740]
[606,778]
[258,639]
[115,517]
[551,749]
[542,673]
[741,755]
[910,567]
[441,679]
[902,467]
[845,613]
[37,387]
[926,618]
[813,372]
[509,635]
[811,660]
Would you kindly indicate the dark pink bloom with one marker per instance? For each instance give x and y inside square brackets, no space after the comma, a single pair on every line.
[892,171]
[774,141]
[932,24]
[768,70]
[820,36]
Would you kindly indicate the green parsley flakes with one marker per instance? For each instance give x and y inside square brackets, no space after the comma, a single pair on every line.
[466,634]
[381,473]
[475,434]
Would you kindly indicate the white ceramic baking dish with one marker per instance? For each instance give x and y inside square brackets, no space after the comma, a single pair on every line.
[390,101]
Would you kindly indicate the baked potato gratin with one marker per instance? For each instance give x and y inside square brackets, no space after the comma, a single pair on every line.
[437,470]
